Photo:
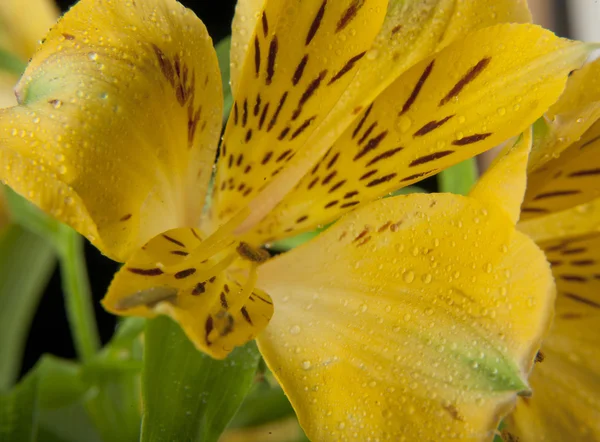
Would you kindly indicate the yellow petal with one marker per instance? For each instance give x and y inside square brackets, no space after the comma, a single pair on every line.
[216,311]
[118,122]
[570,223]
[570,117]
[413,318]
[504,182]
[23,23]
[469,97]
[567,181]
[566,386]
[302,57]
[412,30]
[247,14]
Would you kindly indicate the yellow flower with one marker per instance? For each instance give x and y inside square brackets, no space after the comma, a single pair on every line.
[22,25]
[561,213]
[411,318]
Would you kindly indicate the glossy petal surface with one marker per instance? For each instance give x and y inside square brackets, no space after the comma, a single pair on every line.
[575,222]
[566,385]
[412,30]
[570,117]
[118,122]
[23,23]
[469,97]
[420,320]
[166,277]
[567,181]
[303,55]
[247,14]
[505,181]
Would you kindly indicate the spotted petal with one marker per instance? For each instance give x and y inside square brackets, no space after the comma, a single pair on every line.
[566,384]
[118,122]
[247,15]
[413,318]
[412,30]
[567,181]
[216,311]
[302,57]
[570,117]
[469,97]
[23,23]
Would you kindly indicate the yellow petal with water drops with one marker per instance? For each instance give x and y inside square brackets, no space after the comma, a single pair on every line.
[118,122]
[23,23]
[247,14]
[570,117]
[504,182]
[302,57]
[176,274]
[413,318]
[412,30]
[567,181]
[565,404]
[577,221]
[469,97]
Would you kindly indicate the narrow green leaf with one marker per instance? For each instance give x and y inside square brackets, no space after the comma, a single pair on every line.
[19,412]
[189,396]
[26,264]
[222,48]
[459,178]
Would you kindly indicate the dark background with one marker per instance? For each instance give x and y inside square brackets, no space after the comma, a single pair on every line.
[50,332]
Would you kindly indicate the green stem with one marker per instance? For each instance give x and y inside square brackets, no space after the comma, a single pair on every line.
[78,297]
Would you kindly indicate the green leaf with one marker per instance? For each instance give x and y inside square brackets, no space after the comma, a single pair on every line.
[459,178]
[62,398]
[114,376]
[69,248]
[26,264]
[263,404]
[222,48]
[188,396]
[19,412]
[11,63]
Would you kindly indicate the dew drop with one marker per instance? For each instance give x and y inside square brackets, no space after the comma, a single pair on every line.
[306,365]
[408,276]
[295,329]
[404,123]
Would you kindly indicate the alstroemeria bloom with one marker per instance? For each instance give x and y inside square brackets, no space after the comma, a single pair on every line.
[411,318]
[561,212]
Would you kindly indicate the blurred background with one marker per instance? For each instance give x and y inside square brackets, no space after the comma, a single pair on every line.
[50,334]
